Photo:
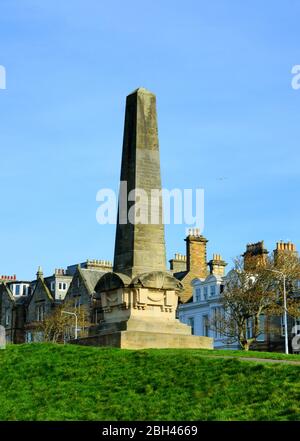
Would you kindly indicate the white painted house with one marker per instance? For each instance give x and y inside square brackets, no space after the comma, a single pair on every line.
[206,304]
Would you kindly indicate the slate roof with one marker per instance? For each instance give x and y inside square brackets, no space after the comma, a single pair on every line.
[91,277]
[180,275]
[23,300]
[5,288]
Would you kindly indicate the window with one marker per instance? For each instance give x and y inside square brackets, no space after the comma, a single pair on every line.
[60,286]
[217,320]
[198,294]
[52,286]
[38,337]
[17,290]
[64,286]
[191,323]
[261,336]
[98,316]
[249,328]
[40,313]
[24,293]
[205,325]
[77,302]
[212,290]
[7,316]
[205,292]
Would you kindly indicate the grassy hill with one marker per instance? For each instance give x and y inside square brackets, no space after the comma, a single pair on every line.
[56,382]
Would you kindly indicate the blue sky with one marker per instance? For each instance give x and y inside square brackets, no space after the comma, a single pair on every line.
[221,71]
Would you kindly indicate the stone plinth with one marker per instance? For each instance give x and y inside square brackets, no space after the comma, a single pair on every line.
[147,340]
[141,313]
[150,297]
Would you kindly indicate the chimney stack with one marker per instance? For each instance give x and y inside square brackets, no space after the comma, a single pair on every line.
[255,255]
[284,248]
[178,263]
[217,265]
[196,253]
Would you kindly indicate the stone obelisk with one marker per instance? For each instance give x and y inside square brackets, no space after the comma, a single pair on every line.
[140,247]
[139,298]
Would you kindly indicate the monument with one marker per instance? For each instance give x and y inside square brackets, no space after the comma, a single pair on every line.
[139,298]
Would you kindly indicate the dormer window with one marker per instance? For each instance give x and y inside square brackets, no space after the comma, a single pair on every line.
[205,293]
[213,290]
[198,295]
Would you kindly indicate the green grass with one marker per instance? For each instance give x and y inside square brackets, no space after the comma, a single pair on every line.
[251,354]
[56,382]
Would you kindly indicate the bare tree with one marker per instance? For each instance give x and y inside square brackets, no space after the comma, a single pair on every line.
[56,326]
[248,295]
[288,264]
[251,293]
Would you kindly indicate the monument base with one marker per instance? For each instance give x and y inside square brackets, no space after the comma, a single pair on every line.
[146,340]
[141,314]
